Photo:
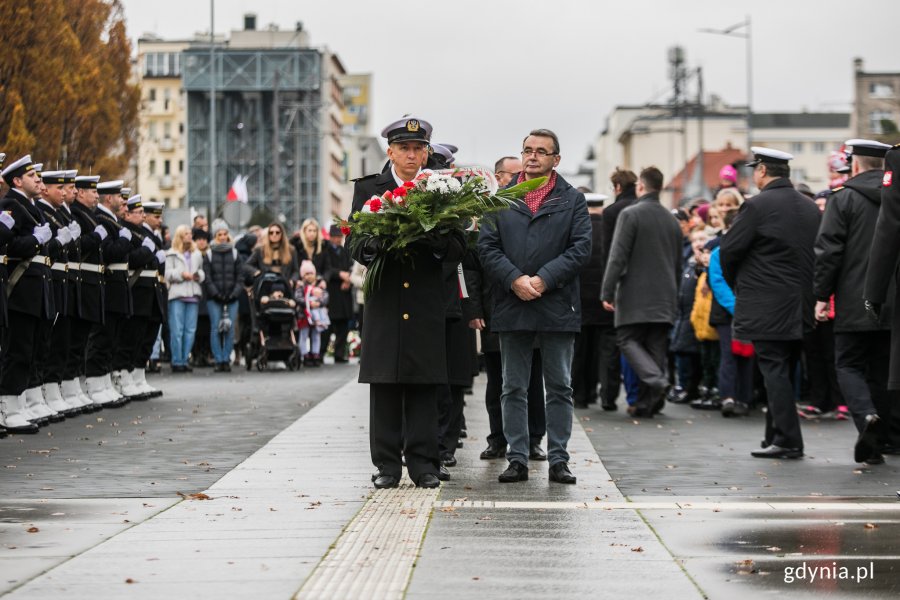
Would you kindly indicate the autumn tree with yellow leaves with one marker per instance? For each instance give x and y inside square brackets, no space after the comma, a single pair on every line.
[65,90]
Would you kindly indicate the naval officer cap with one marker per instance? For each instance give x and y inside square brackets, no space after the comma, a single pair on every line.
[71,175]
[86,182]
[453,148]
[593,199]
[134,203]
[443,151]
[39,168]
[769,155]
[857,147]
[408,129]
[126,193]
[153,208]
[17,169]
[53,177]
[110,188]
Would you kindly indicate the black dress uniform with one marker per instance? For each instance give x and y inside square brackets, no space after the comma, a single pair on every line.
[883,257]
[158,307]
[90,304]
[340,301]
[143,269]
[862,344]
[30,302]
[768,260]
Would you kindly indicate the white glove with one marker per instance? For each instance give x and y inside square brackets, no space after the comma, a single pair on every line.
[124,233]
[101,231]
[42,233]
[75,230]
[161,257]
[7,219]
[148,244]
[63,235]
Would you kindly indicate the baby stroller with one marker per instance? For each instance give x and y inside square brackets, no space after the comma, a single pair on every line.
[273,322]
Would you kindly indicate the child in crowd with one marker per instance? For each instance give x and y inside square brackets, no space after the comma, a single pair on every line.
[706,333]
[312,302]
[684,343]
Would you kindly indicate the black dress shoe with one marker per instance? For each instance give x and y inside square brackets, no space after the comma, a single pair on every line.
[774,451]
[875,459]
[536,453]
[386,481]
[492,452]
[706,404]
[560,473]
[24,429]
[443,474]
[516,471]
[428,480]
[448,460]
[609,406]
[867,442]
[639,412]
[732,408]
[463,433]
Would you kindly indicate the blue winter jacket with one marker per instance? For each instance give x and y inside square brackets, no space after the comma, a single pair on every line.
[722,293]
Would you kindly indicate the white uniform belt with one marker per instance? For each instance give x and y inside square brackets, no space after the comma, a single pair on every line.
[3,259]
[117,267]
[91,267]
[38,259]
[149,273]
[60,266]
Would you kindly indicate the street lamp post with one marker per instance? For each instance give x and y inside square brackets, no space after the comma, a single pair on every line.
[747,35]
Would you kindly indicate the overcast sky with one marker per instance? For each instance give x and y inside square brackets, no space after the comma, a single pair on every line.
[485,72]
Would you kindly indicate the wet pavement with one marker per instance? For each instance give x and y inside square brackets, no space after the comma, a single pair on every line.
[671,507]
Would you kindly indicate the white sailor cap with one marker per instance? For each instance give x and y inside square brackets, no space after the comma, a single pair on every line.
[86,182]
[17,168]
[113,187]
[39,168]
[453,148]
[769,155]
[70,175]
[593,199]
[858,147]
[126,193]
[134,203]
[408,129]
[154,208]
[53,177]
[443,151]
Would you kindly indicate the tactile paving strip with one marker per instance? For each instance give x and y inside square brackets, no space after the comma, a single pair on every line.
[374,556]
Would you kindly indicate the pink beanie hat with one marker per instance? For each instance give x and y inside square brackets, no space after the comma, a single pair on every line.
[307,267]
[728,172]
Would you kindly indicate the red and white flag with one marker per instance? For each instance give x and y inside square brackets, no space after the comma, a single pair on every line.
[238,190]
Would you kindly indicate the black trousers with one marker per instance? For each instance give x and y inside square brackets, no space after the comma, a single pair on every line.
[821,372]
[645,347]
[862,360]
[57,350]
[131,334]
[340,328]
[79,331]
[610,365]
[537,415]
[19,351]
[201,353]
[776,359]
[450,417]
[41,350]
[145,346]
[102,345]
[391,405]
[591,363]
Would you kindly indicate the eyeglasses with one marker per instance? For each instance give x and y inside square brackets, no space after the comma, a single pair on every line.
[540,152]
[274,232]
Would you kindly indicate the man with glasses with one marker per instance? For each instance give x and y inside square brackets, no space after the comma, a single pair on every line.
[404,355]
[534,252]
[768,260]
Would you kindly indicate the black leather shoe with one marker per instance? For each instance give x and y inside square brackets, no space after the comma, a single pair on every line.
[639,412]
[516,471]
[875,459]
[660,402]
[492,452]
[428,480]
[732,408]
[463,434]
[443,474]
[867,442]
[448,460]
[386,481]
[609,406]
[560,473]
[536,453]
[24,429]
[706,404]
[774,451]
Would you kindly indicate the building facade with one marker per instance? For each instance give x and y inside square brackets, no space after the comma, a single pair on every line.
[876,104]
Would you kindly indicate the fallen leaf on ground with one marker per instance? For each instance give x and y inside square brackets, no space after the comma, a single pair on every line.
[871,526]
[637,549]
[32,530]
[198,496]
[130,580]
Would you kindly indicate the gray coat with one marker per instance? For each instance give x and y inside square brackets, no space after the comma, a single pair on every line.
[554,243]
[644,265]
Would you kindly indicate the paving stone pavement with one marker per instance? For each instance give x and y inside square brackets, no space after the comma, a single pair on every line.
[659,516]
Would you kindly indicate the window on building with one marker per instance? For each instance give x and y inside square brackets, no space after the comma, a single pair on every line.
[877,119]
[152,168]
[797,147]
[819,147]
[167,129]
[151,94]
[167,167]
[798,175]
[151,130]
[181,128]
[881,90]
[181,166]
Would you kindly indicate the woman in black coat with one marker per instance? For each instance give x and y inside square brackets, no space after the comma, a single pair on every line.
[223,269]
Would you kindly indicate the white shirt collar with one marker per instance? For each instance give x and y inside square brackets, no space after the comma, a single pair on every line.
[106,210]
[397,177]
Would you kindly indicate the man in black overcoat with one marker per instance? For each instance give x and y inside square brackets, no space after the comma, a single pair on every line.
[404,354]
[768,260]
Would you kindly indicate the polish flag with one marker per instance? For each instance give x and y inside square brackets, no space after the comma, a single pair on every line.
[238,190]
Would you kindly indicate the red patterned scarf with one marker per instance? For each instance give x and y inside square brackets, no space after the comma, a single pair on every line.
[534,200]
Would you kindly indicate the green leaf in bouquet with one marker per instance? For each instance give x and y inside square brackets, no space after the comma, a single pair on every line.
[519,190]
